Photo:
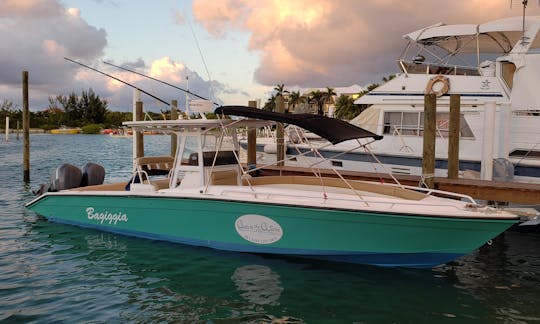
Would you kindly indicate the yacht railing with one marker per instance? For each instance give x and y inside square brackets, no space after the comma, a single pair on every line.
[422,68]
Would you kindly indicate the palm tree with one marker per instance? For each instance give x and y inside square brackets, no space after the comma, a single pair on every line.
[294,99]
[329,95]
[270,104]
[280,89]
[345,108]
[319,98]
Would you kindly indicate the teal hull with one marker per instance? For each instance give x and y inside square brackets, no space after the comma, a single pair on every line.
[337,235]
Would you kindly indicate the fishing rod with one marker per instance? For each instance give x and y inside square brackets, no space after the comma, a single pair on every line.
[115,78]
[167,83]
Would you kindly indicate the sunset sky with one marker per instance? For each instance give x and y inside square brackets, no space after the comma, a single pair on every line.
[248,46]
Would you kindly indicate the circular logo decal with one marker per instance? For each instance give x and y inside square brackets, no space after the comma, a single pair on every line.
[258,229]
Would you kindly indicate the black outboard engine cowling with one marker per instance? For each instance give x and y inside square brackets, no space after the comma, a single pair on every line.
[66,176]
[92,174]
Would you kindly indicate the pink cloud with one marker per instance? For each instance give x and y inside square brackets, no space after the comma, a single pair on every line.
[337,43]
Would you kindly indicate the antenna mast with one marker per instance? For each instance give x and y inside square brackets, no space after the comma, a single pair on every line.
[524,40]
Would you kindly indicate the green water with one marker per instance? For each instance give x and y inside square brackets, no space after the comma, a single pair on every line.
[58,273]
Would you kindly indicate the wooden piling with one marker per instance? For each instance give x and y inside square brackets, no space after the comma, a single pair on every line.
[428,152]
[7,128]
[280,141]
[26,128]
[139,149]
[453,136]
[174,116]
[252,142]
[486,169]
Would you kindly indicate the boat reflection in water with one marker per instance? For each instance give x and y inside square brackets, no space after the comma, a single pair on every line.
[258,284]
[156,281]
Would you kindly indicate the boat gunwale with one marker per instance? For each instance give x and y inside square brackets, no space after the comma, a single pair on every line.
[156,195]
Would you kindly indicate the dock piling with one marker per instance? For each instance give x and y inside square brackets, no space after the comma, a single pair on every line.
[174,116]
[139,148]
[428,151]
[486,171]
[7,128]
[453,136]
[280,141]
[252,142]
[26,128]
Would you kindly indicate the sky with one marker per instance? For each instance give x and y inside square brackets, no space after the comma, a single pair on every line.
[229,51]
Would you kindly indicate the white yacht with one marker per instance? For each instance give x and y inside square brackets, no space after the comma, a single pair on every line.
[494,66]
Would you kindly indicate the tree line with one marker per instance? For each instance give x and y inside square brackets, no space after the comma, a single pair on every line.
[344,106]
[89,109]
[71,111]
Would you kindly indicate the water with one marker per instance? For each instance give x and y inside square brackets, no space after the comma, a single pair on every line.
[59,273]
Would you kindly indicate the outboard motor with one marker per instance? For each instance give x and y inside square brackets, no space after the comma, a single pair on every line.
[92,174]
[503,170]
[66,176]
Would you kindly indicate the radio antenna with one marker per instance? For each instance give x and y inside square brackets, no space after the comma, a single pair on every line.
[202,57]
[151,78]
[115,78]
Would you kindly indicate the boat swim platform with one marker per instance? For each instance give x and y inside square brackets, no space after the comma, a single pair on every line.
[497,191]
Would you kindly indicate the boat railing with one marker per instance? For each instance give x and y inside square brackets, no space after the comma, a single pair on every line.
[155,165]
[369,203]
[411,67]
[431,192]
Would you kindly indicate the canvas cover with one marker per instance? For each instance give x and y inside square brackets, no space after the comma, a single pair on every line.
[334,130]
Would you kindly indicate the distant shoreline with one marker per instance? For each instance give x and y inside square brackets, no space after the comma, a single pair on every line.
[32,131]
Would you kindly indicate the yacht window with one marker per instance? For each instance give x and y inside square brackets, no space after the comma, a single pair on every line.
[409,125]
[391,121]
[525,154]
[464,129]
[337,163]
[442,124]
[412,124]
[508,69]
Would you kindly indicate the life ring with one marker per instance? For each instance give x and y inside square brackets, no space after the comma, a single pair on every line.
[445,85]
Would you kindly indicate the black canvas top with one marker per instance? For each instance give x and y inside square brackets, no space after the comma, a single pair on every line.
[332,129]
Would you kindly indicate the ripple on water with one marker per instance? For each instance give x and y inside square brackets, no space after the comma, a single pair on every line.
[56,273]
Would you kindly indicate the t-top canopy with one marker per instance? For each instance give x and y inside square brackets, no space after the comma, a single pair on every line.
[498,36]
[334,130]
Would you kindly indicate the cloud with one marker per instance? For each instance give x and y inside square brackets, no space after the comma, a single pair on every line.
[336,43]
[119,95]
[35,35]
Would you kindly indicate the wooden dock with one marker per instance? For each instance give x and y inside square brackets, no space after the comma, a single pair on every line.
[513,192]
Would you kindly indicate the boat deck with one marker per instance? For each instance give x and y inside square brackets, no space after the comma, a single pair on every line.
[363,186]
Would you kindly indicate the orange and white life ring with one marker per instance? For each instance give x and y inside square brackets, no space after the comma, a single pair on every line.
[442,90]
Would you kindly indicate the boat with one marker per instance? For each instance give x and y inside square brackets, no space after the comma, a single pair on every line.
[66,130]
[204,196]
[123,132]
[494,67]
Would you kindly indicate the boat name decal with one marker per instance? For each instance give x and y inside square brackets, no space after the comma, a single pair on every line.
[106,216]
[258,229]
